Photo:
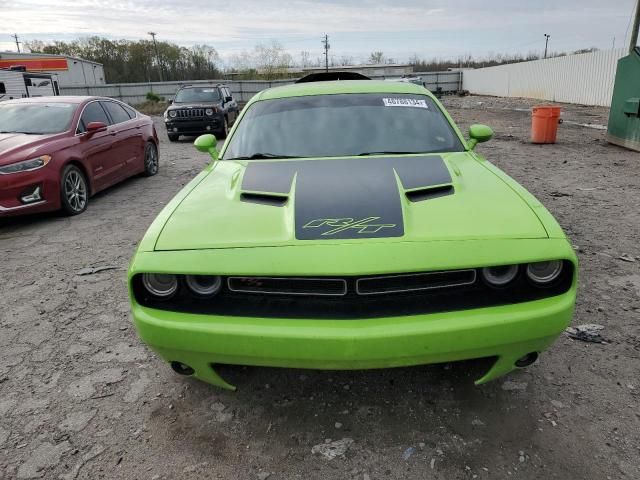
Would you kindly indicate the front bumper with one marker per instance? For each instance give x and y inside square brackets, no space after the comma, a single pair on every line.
[16,185]
[194,126]
[506,332]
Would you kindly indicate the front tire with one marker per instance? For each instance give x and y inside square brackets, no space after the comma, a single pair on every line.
[224,131]
[74,191]
[151,162]
[173,137]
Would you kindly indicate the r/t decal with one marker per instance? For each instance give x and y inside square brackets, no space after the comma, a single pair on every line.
[362,226]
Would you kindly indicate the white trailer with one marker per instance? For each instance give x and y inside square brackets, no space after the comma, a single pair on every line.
[21,84]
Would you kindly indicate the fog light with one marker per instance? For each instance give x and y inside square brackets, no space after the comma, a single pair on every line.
[499,276]
[160,284]
[33,196]
[209,127]
[175,129]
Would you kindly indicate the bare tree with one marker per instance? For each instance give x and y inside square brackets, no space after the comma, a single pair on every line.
[271,59]
[305,59]
[376,58]
[345,60]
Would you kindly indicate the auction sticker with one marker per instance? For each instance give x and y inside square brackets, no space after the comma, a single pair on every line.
[405,102]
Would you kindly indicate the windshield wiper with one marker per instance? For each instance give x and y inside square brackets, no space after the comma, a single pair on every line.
[364,154]
[261,156]
[386,152]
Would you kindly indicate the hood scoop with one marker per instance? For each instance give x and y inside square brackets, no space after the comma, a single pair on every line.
[271,199]
[428,193]
[346,198]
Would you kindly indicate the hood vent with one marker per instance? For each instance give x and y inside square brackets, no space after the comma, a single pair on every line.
[271,199]
[429,193]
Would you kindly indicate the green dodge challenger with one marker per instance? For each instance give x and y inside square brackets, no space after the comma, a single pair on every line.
[350,225]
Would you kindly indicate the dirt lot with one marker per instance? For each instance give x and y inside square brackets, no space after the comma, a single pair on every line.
[81,397]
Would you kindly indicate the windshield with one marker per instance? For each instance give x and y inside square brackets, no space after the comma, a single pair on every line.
[196,95]
[35,118]
[342,125]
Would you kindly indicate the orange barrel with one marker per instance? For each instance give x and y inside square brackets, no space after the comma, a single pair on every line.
[544,123]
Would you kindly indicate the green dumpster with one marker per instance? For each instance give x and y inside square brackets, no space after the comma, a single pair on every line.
[624,117]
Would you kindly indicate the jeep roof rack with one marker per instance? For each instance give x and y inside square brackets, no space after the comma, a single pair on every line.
[331,76]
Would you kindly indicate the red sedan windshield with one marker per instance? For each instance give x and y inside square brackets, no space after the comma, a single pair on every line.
[35,118]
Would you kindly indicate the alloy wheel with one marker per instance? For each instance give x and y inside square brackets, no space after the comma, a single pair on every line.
[75,190]
[151,160]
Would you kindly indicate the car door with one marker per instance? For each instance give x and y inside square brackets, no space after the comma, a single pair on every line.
[96,147]
[233,106]
[128,146]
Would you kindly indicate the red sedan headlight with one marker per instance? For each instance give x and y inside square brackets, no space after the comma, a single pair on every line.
[26,165]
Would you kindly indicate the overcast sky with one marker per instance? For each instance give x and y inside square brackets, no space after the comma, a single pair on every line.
[399,28]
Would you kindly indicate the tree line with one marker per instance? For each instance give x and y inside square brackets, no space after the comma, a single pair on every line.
[144,60]
[139,60]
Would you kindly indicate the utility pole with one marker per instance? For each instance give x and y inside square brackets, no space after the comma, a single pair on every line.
[15,36]
[546,43]
[636,25]
[325,42]
[155,46]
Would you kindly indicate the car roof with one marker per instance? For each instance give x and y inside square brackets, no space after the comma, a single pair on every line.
[57,99]
[202,85]
[338,87]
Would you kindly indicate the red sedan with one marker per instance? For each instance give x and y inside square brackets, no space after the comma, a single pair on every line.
[55,152]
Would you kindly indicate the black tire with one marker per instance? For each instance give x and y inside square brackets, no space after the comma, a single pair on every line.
[173,137]
[74,191]
[224,131]
[151,160]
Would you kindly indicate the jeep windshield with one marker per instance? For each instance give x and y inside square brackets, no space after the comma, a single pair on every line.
[342,125]
[197,95]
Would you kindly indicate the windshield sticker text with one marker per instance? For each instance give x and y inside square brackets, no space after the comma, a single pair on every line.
[405,102]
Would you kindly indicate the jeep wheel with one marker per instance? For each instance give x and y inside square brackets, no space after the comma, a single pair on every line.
[224,131]
[173,137]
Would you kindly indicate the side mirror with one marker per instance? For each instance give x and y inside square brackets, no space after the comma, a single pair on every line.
[207,144]
[170,101]
[228,99]
[95,127]
[479,133]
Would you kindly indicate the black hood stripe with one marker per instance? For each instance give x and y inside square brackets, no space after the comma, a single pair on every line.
[346,198]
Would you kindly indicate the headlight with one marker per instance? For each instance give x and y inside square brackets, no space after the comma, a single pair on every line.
[204,285]
[500,276]
[544,273]
[26,166]
[173,113]
[161,285]
[209,111]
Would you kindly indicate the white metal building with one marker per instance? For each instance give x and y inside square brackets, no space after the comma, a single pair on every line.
[69,71]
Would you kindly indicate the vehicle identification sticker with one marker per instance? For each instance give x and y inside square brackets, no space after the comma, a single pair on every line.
[405,102]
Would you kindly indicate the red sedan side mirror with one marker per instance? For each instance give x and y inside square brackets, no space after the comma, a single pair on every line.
[95,127]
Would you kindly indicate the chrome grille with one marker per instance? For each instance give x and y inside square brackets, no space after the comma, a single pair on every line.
[190,113]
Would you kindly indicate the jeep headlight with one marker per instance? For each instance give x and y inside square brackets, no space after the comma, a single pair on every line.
[209,111]
[173,113]
[26,165]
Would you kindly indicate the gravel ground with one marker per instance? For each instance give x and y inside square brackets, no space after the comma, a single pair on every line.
[81,397]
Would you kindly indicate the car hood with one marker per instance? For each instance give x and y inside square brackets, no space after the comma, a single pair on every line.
[180,106]
[453,196]
[15,147]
